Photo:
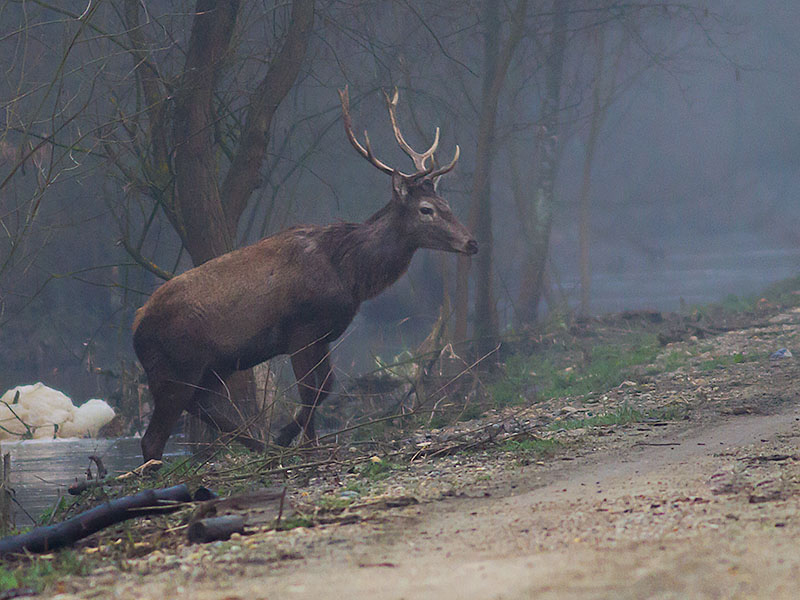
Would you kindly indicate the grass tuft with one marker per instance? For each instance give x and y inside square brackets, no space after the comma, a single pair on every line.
[42,572]
[539,378]
[375,471]
[531,445]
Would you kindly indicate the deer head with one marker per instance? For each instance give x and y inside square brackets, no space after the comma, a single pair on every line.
[423,215]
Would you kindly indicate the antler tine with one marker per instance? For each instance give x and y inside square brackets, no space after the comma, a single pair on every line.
[370,153]
[367,153]
[419,158]
[447,168]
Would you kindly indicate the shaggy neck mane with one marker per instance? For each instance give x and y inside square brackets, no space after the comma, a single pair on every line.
[372,255]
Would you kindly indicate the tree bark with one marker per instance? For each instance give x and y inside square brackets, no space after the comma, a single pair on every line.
[205,218]
[496,61]
[243,174]
[200,218]
[584,234]
[485,324]
[540,215]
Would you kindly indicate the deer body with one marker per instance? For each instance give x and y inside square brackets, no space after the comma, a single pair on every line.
[291,293]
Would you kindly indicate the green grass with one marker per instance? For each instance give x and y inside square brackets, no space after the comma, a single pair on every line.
[729,305]
[559,373]
[784,292]
[728,360]
[295,522]
[471,411]
[675,360]
[624,415]
[334,503]
[734,303]
[375,471]
[532,445]
[357,486]
[40,573]
[49,515]
[608,366]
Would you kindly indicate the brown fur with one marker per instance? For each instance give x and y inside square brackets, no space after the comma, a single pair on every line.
[291,293]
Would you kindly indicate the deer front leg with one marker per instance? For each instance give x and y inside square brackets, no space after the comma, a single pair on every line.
[315,380]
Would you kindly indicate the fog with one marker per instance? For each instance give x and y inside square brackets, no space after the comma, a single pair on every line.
[693,185]
[695,189]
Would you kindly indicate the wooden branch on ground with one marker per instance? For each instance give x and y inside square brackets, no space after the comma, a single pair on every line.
[52,537]
[215,528]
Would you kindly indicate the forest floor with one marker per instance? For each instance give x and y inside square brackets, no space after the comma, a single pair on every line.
[698,496]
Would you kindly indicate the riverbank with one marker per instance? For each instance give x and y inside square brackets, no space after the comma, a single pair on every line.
[639,454]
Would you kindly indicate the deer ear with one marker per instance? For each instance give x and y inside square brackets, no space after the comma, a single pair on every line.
[399,187]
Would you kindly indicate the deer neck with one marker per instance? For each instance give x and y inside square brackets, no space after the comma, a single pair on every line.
[376,254]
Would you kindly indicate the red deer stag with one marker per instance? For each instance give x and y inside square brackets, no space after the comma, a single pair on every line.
[291,293]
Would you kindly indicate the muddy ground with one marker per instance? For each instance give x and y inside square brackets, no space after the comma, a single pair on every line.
[700,505]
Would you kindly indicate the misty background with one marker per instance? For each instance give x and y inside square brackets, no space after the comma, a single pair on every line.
[692,187]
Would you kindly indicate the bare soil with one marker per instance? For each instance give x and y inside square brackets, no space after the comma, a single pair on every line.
[703,507]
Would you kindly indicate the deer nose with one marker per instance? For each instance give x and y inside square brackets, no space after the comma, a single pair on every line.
[471,247]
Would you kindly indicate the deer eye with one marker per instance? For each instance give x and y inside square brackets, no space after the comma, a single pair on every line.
[426,210]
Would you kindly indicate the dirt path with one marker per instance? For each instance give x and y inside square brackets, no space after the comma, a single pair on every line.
[704,508]
[708,511]
[645,523]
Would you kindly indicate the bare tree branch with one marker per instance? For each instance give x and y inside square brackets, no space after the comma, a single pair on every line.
[243,174]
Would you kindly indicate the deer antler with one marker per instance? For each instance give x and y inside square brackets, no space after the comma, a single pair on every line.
[419,158]
[367,153]
[447,168]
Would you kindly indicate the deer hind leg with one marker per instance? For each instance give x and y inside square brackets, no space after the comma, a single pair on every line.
[312,368]
[171,395]
[213,404]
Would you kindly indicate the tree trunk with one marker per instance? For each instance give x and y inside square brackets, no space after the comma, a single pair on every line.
[200,217]
[206,220]
[485,324]
[496,62]
[244,173]
[540,215]
[584,234]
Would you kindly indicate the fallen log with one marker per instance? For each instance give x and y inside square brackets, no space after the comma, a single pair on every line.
[52,537]
[215,528]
